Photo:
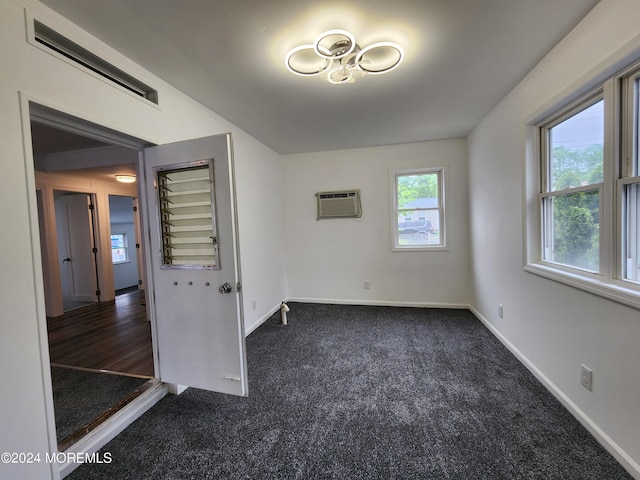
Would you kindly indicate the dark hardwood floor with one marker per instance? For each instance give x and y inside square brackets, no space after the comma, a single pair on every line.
[104,336]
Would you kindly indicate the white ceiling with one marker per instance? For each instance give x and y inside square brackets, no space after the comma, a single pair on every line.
[462,57]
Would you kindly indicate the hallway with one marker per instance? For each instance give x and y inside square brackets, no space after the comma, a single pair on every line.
[104,336]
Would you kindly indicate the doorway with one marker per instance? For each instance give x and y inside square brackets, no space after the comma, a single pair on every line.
[126,254]
[198,334]
[100,344]
[77,250]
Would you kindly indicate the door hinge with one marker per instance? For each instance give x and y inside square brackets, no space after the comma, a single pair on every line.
[91,207]
[139,282]
[137,245]
[214,240]
[97,293]
[94,250]
[135,209]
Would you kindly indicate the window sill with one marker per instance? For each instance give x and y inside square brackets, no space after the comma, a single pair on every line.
[435,248]
[609,289]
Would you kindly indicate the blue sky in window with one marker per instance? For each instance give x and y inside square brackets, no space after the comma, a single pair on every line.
[582,130]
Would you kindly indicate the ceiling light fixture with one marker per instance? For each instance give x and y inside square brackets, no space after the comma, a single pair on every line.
[126,178]
[336,53]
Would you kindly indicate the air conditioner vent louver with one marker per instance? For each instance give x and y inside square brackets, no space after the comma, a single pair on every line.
[73,52]
[342,204]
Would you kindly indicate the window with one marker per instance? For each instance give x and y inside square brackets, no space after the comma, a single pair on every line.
[187,216]
[418,209]
[119,250]
[572,170]
[630,181]
[583,217]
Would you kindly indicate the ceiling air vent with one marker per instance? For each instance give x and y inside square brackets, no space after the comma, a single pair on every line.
[343,204]
[52,40]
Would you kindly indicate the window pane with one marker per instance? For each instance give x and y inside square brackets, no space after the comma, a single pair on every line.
[119,248]
[187,217]
[416,231]
[572,236]
[419,212]
[577,149]
[418,191]
[636,133]
[117,241]
[632,233]
[118,255]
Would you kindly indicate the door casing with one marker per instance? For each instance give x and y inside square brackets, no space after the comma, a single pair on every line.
[37,109]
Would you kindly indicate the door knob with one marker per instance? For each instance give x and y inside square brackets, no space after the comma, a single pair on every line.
[225,288]
[66,260]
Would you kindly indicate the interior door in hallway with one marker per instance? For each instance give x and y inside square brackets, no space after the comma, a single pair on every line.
[75,234]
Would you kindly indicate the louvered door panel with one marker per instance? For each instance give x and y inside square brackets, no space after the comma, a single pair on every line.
[187,216]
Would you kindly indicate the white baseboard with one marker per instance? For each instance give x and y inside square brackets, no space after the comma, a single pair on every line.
[261,320]
[612,447]
[98,438]
[380,303]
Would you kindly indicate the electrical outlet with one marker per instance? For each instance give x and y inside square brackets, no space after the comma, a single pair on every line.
[586,377]
[500,310]
[367,284]
[253,304]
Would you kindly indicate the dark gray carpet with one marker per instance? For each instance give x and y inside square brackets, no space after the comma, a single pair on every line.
[80,396]
[365,393]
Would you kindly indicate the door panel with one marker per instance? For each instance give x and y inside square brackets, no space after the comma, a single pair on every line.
[200,332]
[75,247]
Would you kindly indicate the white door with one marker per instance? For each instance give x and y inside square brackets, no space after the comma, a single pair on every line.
[196,280]
[74,225]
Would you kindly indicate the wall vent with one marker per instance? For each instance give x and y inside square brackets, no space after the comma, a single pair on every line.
[343,204]
[52,40]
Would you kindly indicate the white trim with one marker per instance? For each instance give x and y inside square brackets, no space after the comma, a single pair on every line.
[380,303]
[620,60]
[424,248]
[61,120]
[254,326]
[612,447]
[606,288]
[38,277]
[107,431]
[393,188]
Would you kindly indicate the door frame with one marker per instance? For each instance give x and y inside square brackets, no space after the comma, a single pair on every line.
[55,116]
[58,117]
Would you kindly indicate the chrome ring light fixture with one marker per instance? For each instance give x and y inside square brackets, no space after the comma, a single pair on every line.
[336,54]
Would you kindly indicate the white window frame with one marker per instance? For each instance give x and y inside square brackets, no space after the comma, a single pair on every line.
[546,191]
[395,211]
[619,150]
[630,169]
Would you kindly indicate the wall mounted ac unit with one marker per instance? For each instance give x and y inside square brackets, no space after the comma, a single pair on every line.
[343,204]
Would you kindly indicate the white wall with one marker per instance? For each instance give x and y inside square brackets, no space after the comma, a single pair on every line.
[554,327]
[27,72]
[329,260]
